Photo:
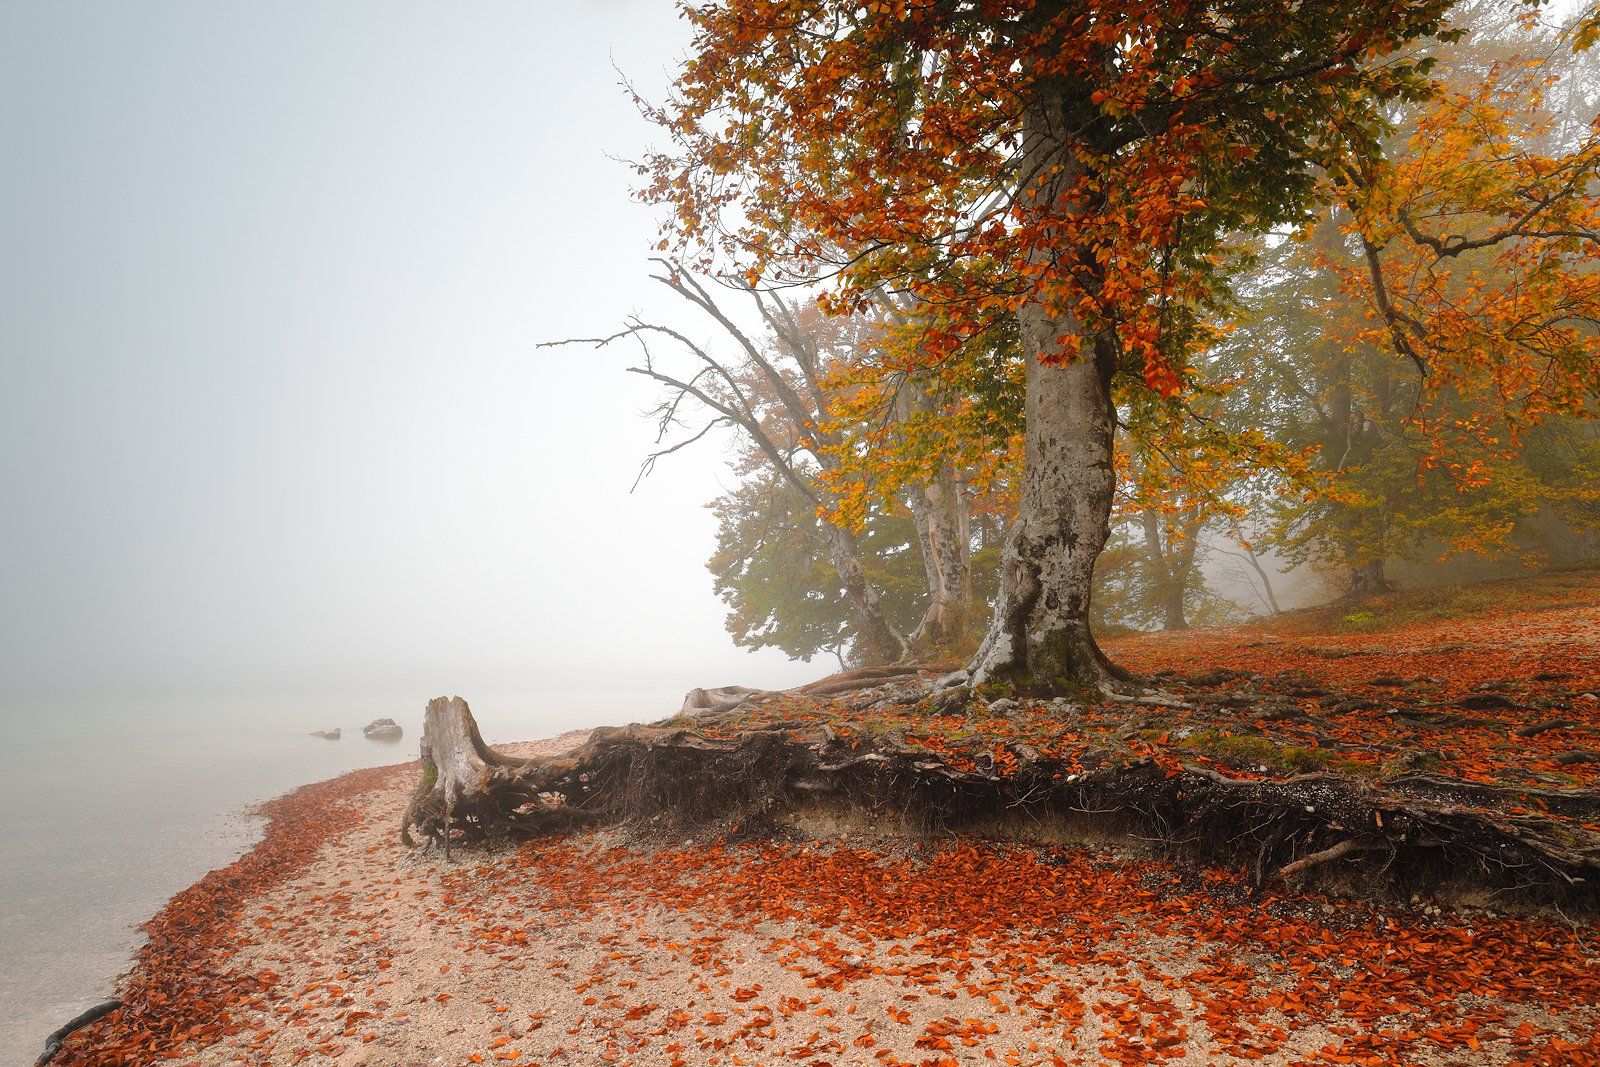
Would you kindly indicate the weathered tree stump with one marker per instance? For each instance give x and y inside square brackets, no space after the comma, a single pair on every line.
[466,786]
[467,789]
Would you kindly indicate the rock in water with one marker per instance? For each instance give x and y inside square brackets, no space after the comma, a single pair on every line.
[383,730]
[328,735]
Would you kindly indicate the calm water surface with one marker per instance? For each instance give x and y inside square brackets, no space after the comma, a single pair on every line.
[110,809]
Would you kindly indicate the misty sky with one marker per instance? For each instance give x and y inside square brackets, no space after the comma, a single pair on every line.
[272,418]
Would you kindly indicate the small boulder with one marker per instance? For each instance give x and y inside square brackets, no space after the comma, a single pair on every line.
[328,735]
[383,730]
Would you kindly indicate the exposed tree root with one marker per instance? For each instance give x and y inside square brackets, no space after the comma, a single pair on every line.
[678,779]
[728,697]
[465,785]
[1290,871]
[1544,727]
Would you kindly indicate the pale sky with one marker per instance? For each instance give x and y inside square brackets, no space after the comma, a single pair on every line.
[272,418]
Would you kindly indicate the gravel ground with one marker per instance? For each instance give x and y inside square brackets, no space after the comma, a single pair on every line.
[593,950]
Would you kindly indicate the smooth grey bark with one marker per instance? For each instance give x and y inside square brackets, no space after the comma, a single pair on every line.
[944,535]
[1039,639]
[877,640]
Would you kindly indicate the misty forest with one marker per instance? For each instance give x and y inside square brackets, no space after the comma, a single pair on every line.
[1370,359]
[1169,429]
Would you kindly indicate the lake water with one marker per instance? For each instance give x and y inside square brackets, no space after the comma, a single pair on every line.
[108,810]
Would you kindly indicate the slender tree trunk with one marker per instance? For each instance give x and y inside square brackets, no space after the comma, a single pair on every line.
[940,510]
[1266,582]
[1171,571]
[877,640]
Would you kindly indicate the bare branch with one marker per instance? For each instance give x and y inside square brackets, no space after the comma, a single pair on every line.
[649,463]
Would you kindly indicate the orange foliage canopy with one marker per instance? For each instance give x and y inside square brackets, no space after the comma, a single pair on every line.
[881,144]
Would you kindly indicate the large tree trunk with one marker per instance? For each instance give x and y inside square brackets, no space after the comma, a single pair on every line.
[1040,640]
[940,510]
[877,640]
[1368,579]
[1172,616]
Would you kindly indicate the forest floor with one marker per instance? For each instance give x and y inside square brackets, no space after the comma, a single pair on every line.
[1496,684]
[330,943]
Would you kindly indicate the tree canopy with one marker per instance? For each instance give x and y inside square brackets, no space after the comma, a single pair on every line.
[1328,270]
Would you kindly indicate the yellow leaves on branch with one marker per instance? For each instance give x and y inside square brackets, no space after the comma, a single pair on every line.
[1484,264]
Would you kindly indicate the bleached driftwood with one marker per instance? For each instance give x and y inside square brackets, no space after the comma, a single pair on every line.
[464,781]
[723,698]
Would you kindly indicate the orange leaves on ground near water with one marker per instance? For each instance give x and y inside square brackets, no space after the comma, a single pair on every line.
[181,991]
[965,954]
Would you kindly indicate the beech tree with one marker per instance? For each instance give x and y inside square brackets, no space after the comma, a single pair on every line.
[938,503]
[1083,168]
[774,571]
[936,438]
[1479,261]
[1170,546]
[1344,402]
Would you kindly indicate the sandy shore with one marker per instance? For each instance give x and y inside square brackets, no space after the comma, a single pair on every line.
[331,943]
